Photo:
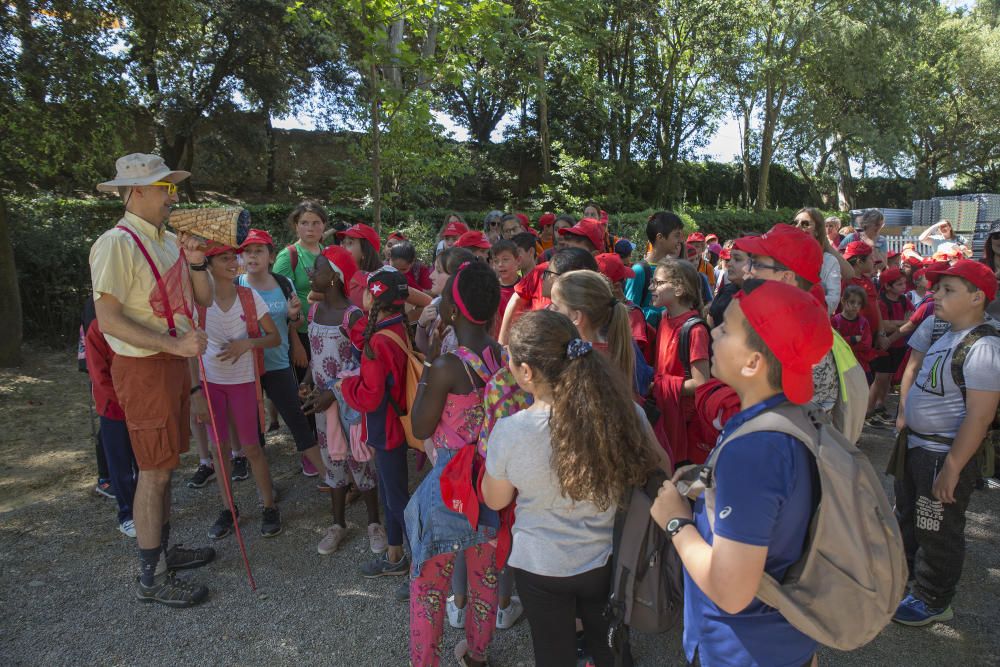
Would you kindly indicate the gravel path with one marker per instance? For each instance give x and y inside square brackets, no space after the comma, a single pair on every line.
[67,580]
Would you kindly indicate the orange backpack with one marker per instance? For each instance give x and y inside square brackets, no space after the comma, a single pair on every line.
[414,369]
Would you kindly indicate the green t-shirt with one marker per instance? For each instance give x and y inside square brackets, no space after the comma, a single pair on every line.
[299,277]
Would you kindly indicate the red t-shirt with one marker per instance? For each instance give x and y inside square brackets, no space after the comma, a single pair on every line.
[668,362]
[419,277]
[640,331]
[856,328]
[529,289]
[506,292]
[895,310]
[871,310]
[924,310]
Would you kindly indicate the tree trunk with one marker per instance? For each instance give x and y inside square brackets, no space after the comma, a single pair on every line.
[270,151]
[395,75]
[745,155]
[376,161]
[766,154]
[187,163]
[846,193]
[10,296]
[543,116]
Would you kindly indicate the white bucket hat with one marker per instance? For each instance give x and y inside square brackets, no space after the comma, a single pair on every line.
[141,169]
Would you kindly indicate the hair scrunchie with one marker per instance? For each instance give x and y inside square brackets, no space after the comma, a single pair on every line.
[577,348]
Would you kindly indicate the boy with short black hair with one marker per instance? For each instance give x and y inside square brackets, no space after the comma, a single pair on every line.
[948,403]
[664,231]
[527,256]
[766,484]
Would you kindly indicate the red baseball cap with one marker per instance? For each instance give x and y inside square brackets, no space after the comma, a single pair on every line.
[933,267]
[792,247]
[889,276]
[525,220]
[256,237]
[396,236]
[217,249]
[975,272]
[857,249]
[547,219]
[709,237]
[457,490]
[794,327]
[473,240]
[612,266]
[362,231]
[725,254]
[589,229]
[342,262]
[454,228]
[696,237]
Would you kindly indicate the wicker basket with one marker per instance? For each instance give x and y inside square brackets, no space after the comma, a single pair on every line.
[228,226]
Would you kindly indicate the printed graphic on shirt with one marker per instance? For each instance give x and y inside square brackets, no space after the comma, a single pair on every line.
[938,362]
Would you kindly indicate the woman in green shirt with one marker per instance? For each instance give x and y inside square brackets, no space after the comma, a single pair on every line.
[308,221]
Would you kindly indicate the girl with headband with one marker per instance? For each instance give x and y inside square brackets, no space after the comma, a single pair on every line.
[569,466]
[448,412]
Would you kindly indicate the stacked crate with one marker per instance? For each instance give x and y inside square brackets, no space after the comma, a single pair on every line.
[988,212]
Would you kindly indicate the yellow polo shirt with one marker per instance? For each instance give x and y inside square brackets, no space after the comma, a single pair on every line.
[118,268]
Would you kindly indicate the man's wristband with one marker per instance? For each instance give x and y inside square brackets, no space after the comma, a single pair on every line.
[199,267]
[675,526]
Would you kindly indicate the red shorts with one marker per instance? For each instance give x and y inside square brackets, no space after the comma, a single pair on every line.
[155,393]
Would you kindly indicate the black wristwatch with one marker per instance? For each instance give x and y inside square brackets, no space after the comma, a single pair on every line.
[199,267]
[674,526]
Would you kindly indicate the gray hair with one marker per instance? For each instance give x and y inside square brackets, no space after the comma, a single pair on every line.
[871,217]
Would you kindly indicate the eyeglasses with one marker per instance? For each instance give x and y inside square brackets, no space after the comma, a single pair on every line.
[171,187]
[754,264]
[494,223]
[546,273]
[657,284]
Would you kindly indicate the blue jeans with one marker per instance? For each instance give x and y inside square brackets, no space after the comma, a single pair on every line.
[122,469]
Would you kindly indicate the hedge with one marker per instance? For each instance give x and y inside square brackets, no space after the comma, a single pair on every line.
[52,238]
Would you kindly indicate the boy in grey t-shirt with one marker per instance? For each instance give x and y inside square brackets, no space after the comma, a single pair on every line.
[947,424]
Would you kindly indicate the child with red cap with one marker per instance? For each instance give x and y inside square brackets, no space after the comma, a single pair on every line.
[861,258]
[477,243]
[766,484]
[451,229]
[546,232]
[697,241]
[237,322]
[895,310]
[587,234]
[794,257]
[948,402]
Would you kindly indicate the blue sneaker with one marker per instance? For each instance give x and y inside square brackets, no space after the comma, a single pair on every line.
[915,612]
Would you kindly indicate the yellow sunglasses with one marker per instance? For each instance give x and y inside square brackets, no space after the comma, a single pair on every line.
[171,187]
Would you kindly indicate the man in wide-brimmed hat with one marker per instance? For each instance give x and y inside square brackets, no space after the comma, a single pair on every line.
[146,281]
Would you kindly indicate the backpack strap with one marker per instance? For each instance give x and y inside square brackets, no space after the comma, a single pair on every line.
[407,350]
[312,311]
[684,343]
[476,363]
[171,325]
[293,256]
[799,422]
[647,277]
[962,352]
[284,284]
[245,295]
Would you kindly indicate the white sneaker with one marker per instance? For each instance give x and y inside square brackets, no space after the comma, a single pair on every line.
[331,541]
[456,616]
[377,540]
[127,528]
[507,616]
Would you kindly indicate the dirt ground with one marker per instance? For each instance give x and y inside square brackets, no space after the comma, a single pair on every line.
[67,575]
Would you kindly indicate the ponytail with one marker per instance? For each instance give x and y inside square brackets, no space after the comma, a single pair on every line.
[620,346]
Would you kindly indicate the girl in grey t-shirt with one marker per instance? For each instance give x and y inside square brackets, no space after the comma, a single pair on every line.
[569,459]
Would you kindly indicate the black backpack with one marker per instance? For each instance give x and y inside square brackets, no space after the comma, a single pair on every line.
[647,578]
[684,344]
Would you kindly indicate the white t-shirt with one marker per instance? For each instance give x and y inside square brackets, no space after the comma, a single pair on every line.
[553,535]
[223,327]
[935,404]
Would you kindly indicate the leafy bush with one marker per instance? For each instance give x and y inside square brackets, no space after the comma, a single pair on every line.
[52,238]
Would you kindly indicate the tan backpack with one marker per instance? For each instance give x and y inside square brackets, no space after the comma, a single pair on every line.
[852,575]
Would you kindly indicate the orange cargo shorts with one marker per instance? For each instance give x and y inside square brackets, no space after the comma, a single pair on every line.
[155,393]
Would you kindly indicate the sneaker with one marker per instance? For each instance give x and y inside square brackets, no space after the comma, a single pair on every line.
[127,528]
[202,476]
[103,488]
[402,592]
[173,592]
[915,612]
[331,541]
[456,615]
[308,469]
[381,567]
[377,541]
[270,522]
[223,525]
[507,616]
[241,469]
[180,557]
